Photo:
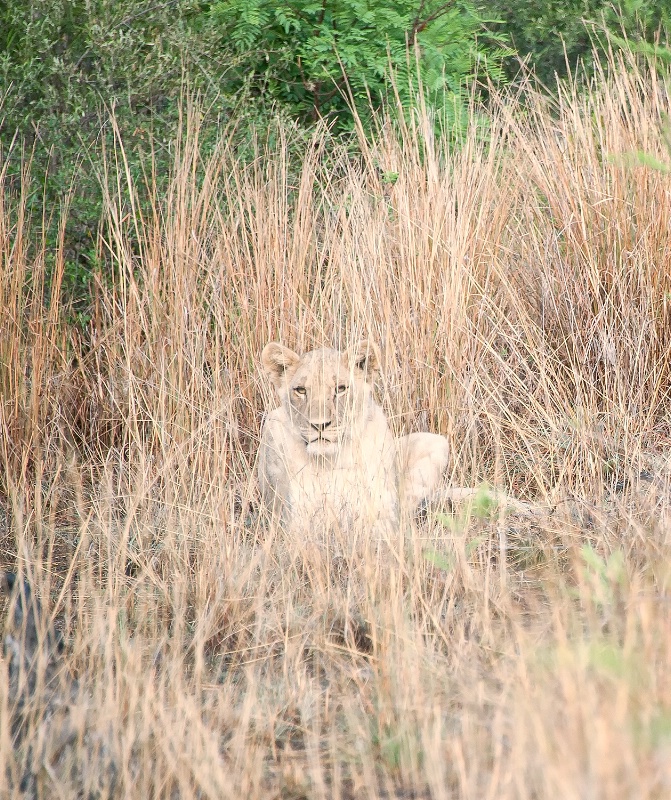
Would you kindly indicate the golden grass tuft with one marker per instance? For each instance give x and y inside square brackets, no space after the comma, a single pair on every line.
[520,287]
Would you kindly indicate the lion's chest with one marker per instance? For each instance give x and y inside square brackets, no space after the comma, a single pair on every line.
[344,493]
[356,487]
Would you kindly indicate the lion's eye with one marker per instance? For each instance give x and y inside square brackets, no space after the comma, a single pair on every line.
[341,389]
[300,391]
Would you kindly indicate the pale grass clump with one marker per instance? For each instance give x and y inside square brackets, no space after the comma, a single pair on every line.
[519,287]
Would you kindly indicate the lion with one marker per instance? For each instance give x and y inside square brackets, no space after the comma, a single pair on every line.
[327,455]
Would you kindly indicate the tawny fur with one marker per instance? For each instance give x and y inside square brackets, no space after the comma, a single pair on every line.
[327,454]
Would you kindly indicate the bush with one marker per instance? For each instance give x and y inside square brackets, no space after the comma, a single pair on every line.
[313,57]
[556,35]
[65,65]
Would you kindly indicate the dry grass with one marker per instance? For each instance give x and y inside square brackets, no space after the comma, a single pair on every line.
[521,289]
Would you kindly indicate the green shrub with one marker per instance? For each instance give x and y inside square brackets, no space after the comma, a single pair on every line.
[315,56]
[554,35]
[64,65]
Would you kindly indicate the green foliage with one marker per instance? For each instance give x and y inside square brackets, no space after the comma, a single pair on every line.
[64,64]
[553,34]
[313,56]
[439,560]
[63,59]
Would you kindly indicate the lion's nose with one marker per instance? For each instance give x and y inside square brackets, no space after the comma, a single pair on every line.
[320,426]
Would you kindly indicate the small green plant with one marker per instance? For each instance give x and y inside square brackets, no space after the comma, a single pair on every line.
[605,577]
[481,505]
[640,158]
[439,560]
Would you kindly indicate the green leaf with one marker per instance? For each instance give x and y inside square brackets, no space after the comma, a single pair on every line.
[439,560]
[640,159]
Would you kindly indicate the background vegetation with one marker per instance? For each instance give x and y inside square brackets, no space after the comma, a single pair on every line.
[519,284]
[64,65]
[554,37]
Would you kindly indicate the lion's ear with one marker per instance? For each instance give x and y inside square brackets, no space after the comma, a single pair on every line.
[365,356]
[277,361]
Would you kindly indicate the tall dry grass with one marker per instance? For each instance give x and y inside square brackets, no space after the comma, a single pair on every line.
[520,289]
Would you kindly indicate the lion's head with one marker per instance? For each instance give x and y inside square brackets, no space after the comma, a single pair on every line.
[325,393]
